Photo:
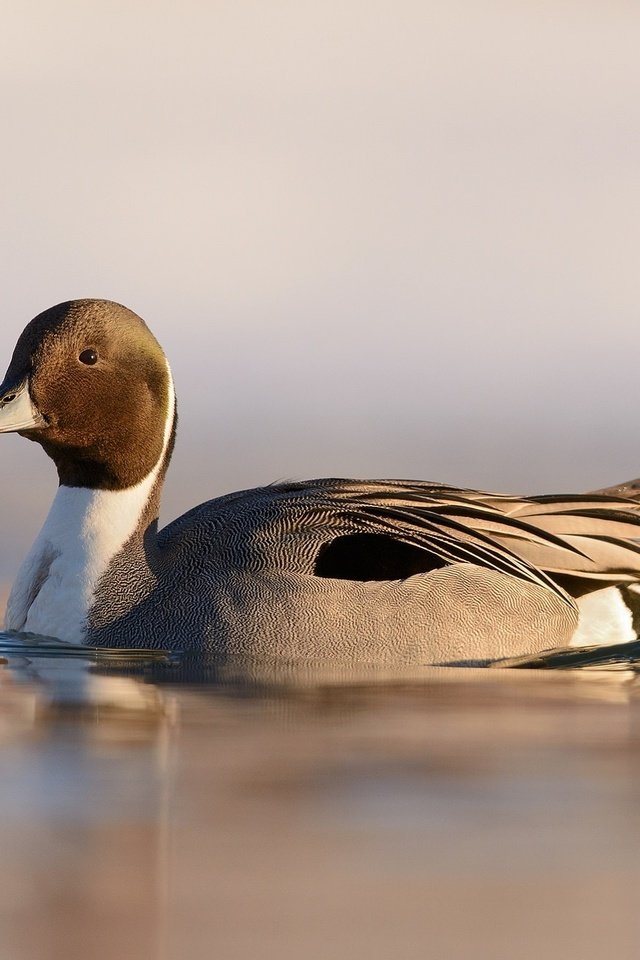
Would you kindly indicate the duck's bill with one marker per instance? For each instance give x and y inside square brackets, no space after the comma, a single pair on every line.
[17,410]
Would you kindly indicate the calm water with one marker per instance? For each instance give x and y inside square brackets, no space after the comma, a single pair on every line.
[156,808]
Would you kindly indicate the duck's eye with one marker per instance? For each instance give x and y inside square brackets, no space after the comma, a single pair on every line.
[89,357]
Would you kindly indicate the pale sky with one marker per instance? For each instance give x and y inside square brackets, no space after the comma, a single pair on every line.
[375,238]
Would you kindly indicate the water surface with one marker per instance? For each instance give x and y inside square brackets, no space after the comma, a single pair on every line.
[154,807]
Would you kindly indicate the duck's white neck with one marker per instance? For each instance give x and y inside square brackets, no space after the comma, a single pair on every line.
[84,531]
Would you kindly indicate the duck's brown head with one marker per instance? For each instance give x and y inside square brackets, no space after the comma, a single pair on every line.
[91,384]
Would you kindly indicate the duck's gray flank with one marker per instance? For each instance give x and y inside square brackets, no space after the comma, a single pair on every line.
[385,571]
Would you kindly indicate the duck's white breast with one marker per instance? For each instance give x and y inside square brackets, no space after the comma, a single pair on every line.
[83,532]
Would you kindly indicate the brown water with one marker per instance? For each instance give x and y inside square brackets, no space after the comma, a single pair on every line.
[274,813]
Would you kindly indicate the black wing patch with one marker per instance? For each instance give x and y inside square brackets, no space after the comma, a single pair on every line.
[373,556]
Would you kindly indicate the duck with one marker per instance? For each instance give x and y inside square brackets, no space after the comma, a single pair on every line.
[347,570]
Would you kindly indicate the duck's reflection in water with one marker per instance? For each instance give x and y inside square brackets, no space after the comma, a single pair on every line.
[164,807]
[84,770]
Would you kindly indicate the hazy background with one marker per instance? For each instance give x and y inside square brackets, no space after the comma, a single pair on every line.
[375,238]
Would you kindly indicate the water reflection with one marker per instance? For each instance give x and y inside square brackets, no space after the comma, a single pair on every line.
[59,664]
[155,806]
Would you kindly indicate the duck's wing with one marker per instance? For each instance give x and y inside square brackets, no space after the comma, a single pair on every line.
[392,529]
[368,530]
[602,529]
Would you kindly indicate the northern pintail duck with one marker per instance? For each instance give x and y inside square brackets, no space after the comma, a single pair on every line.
[382,571]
